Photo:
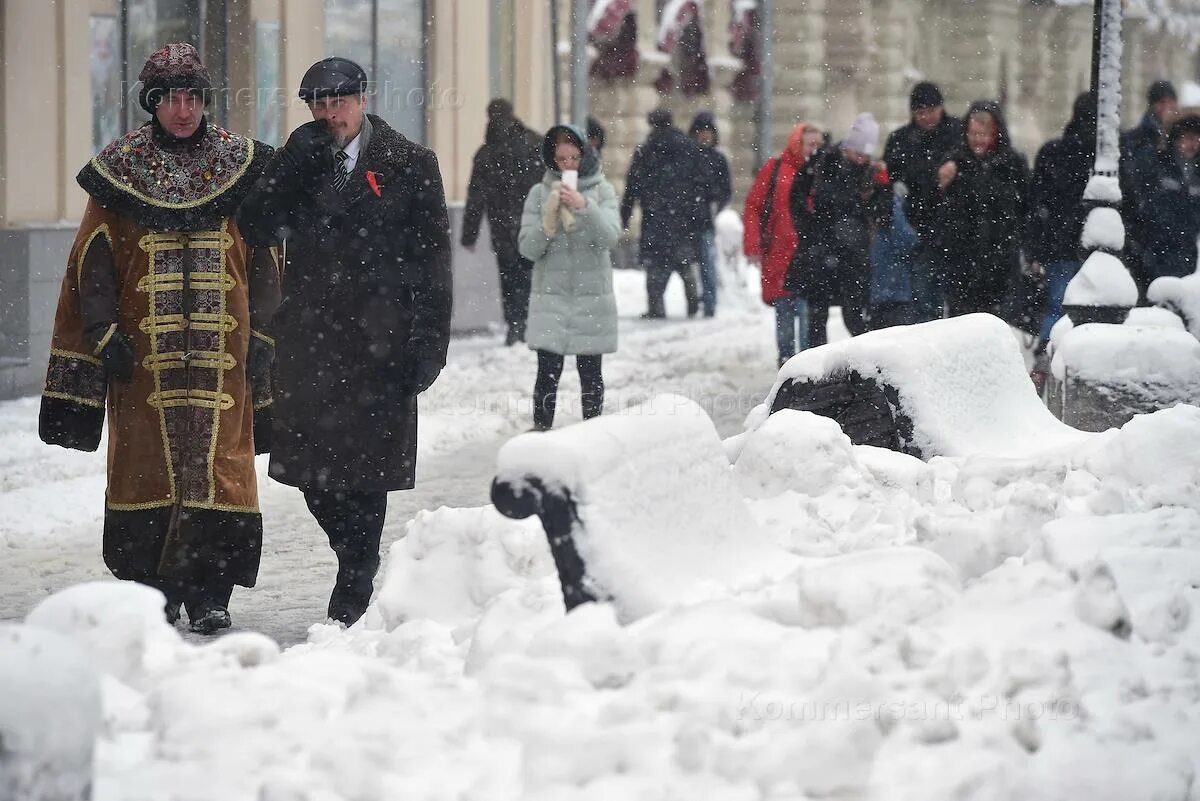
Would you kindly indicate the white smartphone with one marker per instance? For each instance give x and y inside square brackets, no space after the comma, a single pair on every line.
[571,179]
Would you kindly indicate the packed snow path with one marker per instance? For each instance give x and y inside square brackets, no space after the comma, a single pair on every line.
[52,499]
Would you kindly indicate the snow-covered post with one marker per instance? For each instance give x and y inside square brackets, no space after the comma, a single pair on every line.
[766,78]
[1103,290]
[579,63]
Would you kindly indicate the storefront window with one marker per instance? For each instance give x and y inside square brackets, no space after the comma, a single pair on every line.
[105,62]
[387,37]
[269,98]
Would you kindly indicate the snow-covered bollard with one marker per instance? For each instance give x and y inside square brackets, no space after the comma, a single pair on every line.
[50,714]
[640,508]
[1102,375]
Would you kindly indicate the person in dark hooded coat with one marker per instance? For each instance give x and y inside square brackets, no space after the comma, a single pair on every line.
[364,324]
[980,212]
[666,175]
[503,172]
[1138,146]
[1169,201]
[704,132]
[1056,210]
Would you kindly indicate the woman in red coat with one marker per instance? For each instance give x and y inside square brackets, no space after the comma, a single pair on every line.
[770,236]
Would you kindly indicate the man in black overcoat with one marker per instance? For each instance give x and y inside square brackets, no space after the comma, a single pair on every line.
[365,319]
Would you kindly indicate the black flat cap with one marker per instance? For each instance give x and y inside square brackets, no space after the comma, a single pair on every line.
[332,77]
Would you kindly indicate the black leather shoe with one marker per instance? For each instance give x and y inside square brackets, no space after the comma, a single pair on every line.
[211,621]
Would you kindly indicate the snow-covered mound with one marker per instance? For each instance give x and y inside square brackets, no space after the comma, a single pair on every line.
[1180,295]
[961,381]
[49,716]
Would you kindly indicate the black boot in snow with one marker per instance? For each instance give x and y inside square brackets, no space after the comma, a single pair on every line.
[172,610]
[211,620]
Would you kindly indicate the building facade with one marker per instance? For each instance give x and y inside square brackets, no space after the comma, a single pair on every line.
[68,72]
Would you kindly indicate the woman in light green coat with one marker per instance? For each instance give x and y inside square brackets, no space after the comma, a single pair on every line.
[567,234]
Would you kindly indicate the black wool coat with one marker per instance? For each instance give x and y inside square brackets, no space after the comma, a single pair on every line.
[504,170]
[668,176]
[366,294]
[979,224]
[913,156]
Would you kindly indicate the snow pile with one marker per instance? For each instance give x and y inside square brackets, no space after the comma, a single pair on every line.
[628,531]
[1102,281]
[1180,295]
[49,716]
[451,564]
[1103,229]
[962,381]
[739,282]
[1020,627]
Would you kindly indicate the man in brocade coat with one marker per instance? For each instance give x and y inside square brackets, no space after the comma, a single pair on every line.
[162,320]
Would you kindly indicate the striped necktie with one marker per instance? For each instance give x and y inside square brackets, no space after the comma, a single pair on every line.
[340,176]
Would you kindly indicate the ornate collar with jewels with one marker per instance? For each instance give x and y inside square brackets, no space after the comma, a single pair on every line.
[174,189]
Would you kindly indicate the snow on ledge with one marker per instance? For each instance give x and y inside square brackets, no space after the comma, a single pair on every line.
[1180,295]
[1103,229]
[1103,189]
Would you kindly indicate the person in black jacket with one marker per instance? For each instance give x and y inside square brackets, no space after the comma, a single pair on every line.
[504,170]
[1138,146]
[666,175]
[704,131]
[1056,210]
[913,154]
[364,324]
[847,191]
[1169,201]
[980,212]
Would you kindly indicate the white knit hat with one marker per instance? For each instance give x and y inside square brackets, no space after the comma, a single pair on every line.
[863,135]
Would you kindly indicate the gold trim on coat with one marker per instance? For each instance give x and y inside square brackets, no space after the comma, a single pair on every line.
[112,329]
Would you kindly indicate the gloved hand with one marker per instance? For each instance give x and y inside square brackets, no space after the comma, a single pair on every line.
[550,210]
[118,358]
[307,151]
[259,356]
[420,374]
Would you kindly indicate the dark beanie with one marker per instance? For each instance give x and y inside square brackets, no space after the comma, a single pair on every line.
[499,109]
[925,95]
[660,118]
[1160,90]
